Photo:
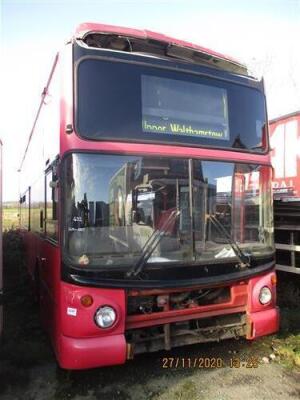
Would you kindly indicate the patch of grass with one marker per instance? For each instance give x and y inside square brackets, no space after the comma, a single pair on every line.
[23,345]
[285,344]
[13,254]
[10,218]
[12,378]
[288,350]
[187,391]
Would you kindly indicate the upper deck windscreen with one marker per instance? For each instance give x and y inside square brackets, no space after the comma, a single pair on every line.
[181,108]
[130,102]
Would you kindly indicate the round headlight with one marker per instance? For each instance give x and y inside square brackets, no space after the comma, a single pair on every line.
[105,317]
[265,295]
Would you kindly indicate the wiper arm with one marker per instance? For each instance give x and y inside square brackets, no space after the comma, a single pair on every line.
[151,244]
[243,258]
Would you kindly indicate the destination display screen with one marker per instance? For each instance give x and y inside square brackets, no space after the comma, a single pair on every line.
[181,108]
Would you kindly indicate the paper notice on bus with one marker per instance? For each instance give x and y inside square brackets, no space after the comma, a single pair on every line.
[225,253]
[72,311]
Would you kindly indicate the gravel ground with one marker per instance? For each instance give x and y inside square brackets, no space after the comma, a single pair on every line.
[28,370]
[39,378]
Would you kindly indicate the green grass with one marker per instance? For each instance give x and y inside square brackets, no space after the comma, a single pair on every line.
[186,391]
[286,343]
[10,218]
[23,343]
[288,349]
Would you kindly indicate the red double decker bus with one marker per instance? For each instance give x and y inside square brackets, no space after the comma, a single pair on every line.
[146,204]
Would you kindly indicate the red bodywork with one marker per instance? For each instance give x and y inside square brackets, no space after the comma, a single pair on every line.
[91,348]
[285,144]
[77,341]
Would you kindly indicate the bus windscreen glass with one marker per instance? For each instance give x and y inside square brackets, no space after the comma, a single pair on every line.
[145,104]
[115,204]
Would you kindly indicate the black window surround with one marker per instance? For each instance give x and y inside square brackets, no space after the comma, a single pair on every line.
[119,124]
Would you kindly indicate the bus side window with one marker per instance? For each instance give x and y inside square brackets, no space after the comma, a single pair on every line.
[51,207]
[25,210]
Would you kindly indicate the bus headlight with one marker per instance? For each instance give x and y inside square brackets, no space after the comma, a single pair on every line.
[265,295]
[105,317]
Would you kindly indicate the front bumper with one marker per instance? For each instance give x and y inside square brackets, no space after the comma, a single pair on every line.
[84,353]
[84,346]
[262,323]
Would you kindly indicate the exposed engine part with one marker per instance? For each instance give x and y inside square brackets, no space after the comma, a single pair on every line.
[140,305]
[162,301]
[178,300]
[199,297]
[211,294]
[189,332]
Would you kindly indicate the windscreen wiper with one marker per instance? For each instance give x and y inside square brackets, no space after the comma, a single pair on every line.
[243,258]
[152,243]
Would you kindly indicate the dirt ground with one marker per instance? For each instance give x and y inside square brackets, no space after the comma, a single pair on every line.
[28,370]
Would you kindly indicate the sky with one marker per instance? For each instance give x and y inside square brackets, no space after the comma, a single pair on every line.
[264,34]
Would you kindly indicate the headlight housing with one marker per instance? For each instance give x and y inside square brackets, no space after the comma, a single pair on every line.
[265,295]
[105,317]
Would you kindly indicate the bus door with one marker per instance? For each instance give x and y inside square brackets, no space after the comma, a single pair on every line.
[49,271]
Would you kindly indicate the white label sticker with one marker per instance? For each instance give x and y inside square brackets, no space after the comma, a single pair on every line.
[72,311]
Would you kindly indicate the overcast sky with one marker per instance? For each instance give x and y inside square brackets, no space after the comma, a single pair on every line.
[262,33]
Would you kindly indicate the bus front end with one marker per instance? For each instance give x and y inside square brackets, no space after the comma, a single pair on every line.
[166,206]
[149,260]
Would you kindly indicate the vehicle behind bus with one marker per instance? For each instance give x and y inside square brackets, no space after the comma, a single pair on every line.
[146,205]
[285,139]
